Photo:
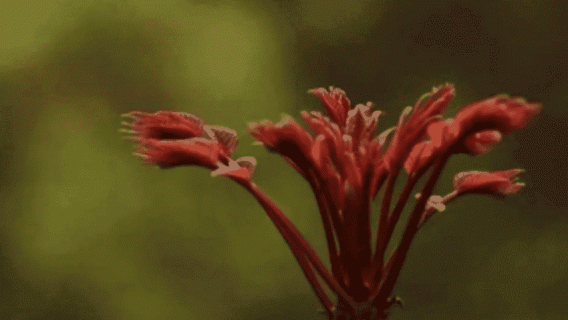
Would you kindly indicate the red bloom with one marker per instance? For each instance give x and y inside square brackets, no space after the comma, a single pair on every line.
[169,139]
[496,183]
[474,129]
[346,166]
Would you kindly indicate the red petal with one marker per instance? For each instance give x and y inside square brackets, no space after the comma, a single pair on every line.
[418,157]
[412,125]
[335,102]
[287,138]
[171,153]
[480,142]
[500,113]
[165,125]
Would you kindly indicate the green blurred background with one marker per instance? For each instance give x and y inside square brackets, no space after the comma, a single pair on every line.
[88,232]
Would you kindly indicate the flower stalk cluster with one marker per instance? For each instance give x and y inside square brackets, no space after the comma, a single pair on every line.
[347,166]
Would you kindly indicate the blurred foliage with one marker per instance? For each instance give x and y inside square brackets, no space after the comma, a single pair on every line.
[87,232]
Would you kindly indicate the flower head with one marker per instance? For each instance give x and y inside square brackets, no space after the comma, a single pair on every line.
[346,165]
[170,139]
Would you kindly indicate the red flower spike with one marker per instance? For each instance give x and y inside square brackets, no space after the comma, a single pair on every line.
[496,183]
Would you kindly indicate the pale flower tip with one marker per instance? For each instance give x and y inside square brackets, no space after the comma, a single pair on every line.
[257,143]
[286,119]
[131,138]
[376,114]
[252,126]
[143,156]
[318,92]
[133,114]
[128,131]
[404,115]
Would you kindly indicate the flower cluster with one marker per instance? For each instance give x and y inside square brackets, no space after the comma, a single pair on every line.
[347,166]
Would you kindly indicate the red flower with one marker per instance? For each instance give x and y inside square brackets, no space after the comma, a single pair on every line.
[169,139]
[474,129]
[346,166]
[496,183]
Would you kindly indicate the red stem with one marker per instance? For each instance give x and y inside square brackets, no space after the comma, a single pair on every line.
[383,222]
[397,259]
[299,246]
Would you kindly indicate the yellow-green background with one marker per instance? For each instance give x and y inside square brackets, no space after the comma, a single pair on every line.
[87,232]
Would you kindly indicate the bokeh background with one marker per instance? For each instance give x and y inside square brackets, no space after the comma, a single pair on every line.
[88,232]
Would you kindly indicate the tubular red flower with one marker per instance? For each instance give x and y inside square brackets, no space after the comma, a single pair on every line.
[501,113]
[474,130]
[169,139]
[496,183]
